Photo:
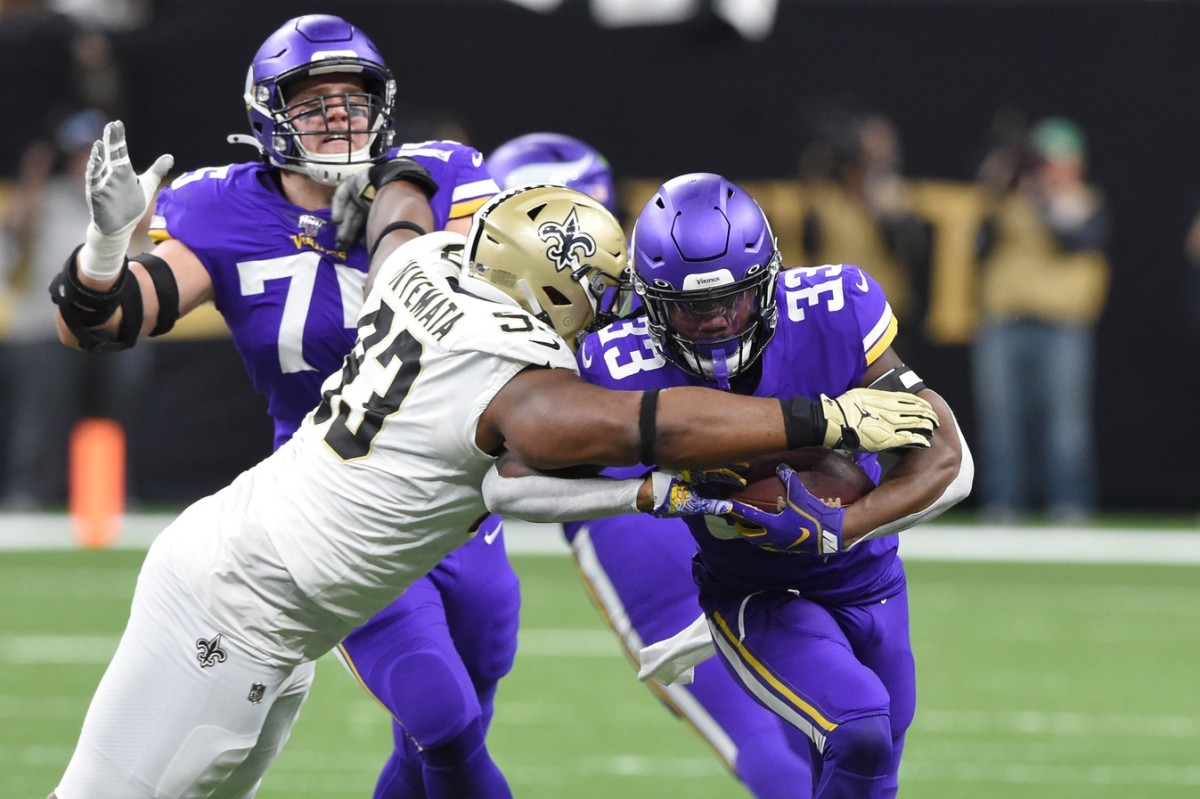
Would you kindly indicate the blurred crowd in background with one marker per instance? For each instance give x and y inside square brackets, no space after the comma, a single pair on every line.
[1013,269]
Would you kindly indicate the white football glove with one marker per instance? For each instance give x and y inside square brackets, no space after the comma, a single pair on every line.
[117,199]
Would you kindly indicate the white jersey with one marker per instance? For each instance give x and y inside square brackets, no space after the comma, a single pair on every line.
[383,478]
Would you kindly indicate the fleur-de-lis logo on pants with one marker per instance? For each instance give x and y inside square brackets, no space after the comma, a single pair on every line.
[209,652]
[568,245]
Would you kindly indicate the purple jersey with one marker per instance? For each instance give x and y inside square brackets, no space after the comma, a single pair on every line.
[289,297]
[834,321]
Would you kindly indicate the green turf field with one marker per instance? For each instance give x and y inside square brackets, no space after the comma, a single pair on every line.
[1037,681]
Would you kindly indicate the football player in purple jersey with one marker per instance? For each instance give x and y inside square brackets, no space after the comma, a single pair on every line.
[259,241]
[807,608]
[638,569]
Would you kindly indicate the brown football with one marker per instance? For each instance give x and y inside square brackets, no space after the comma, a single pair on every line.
[826,473]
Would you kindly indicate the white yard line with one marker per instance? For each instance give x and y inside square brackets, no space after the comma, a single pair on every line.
[931,542]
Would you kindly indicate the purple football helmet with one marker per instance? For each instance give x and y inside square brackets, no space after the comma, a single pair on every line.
[553,158]
[318,44]
[705,265]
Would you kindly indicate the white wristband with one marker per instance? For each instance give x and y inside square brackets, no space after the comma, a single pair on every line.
[103,254]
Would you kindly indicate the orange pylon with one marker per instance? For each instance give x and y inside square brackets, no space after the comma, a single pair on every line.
[96,495]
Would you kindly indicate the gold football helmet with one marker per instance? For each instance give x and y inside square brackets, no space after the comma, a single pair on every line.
[554,250]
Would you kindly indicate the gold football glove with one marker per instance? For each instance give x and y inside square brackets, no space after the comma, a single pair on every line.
[872,420]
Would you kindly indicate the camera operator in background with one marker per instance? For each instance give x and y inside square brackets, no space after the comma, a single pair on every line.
[1044,279]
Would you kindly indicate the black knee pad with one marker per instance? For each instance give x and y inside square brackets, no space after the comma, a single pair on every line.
[457,750]
[861,746]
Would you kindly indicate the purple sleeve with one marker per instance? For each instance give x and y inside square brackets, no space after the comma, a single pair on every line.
[464,183]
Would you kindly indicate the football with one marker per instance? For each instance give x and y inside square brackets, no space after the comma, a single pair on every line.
[827,474]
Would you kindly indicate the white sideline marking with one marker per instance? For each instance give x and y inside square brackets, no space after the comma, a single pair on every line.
[71,650]
[74,650]
[38,531]
[1141,776]
[1051,545]
[1060,723]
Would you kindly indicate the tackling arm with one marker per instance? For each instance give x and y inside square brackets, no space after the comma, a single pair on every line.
[551,419]
[511,488]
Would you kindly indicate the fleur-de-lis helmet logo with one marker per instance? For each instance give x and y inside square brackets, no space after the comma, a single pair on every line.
[568,244]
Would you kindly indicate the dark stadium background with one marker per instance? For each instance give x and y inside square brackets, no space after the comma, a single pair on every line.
[664,100]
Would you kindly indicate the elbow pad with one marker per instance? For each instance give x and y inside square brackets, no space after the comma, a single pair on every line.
[84,309]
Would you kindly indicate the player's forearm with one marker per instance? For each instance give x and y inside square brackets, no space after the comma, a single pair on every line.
[920,486]
[552,420]
[110,325]
[537,497]
[700,428]
[398,201]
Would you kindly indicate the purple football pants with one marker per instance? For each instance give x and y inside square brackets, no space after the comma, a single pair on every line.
[843,674]
[434,658]
[639,572]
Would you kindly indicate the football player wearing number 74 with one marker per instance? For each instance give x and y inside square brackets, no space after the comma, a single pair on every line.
[807,607]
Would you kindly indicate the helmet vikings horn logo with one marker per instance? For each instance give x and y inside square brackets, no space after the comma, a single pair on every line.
[568,245]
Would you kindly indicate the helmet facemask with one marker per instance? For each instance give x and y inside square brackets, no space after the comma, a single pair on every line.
[363,116]
[716,333]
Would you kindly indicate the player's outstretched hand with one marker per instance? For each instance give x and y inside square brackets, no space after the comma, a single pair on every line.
[674,497]
[873,420]
[117,199]
[805,525]
[350,206]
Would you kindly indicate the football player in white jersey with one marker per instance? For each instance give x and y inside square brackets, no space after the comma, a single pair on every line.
[464,352]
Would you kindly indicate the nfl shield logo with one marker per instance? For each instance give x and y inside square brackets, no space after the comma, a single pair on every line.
[256,692]
[311,224]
